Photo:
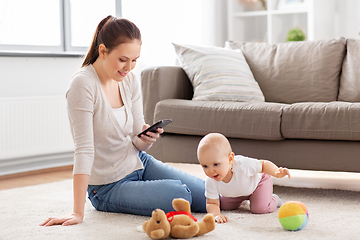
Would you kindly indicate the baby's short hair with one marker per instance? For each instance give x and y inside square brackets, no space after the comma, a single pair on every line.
[215,140]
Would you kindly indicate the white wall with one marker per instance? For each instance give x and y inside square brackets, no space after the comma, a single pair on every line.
[27,135]
[163,22]
[337,18]
[215,22]
[347,18]
[36,76]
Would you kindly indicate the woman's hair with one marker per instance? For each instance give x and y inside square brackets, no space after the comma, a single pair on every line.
[111,31]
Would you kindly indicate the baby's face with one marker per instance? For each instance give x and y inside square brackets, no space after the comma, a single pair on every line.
[215,164]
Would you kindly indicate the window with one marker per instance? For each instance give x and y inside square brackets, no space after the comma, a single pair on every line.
[52,25]
[61,26]
[85,15]
[32,24]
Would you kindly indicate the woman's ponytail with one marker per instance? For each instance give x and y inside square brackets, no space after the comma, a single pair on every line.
[111,31]
[93,52]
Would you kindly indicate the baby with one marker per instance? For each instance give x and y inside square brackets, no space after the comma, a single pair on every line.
[236,178]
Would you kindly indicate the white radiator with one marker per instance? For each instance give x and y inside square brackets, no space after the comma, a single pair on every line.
[33,132]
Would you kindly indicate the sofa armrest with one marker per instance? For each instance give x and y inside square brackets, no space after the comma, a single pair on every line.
[159,83]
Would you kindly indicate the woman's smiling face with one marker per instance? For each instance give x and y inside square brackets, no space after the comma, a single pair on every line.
[121,60]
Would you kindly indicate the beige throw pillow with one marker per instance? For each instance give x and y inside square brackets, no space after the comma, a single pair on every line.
[218,74]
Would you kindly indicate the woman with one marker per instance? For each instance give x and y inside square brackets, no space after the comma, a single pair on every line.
[105,113]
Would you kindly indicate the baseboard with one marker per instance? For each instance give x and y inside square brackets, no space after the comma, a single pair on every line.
[33,163]
[299,178]
[321,179]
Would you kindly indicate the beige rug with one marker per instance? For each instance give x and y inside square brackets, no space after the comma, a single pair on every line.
[334,214]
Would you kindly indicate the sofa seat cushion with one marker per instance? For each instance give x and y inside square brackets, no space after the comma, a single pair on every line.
[326,121]
[252,120]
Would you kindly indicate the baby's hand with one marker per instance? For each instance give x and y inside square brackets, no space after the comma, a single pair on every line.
[221,219]
[282,172]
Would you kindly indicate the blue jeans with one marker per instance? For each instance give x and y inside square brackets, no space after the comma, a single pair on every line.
[150,188]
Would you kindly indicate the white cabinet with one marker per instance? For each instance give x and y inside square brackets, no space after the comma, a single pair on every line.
[249,22]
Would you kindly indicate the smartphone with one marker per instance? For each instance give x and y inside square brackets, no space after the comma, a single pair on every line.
[155,126]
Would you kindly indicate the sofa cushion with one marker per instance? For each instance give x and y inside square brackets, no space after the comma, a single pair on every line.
[218,74]
[350,75]
[327,121]
[252,120]
[295,71]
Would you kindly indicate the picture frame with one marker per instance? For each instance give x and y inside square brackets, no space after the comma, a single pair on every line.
[292,4]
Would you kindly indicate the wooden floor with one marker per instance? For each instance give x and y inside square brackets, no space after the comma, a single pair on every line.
[35,177]
[63,173]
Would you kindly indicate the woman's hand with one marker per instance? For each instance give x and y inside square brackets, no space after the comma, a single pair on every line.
[144,142]
[65,221]
[80,183]
[150,137]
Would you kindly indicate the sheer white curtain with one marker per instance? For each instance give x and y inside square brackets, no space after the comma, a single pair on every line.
[162,22]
